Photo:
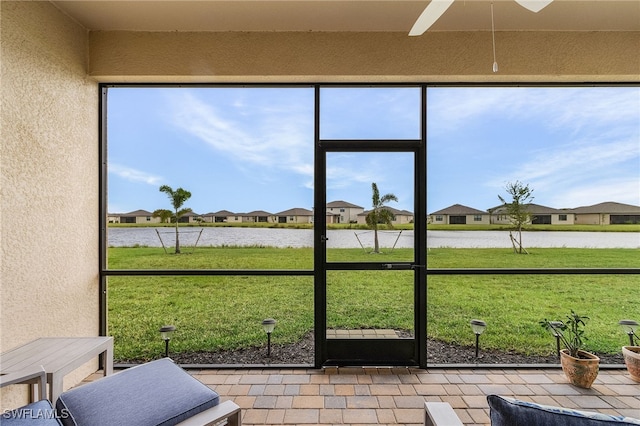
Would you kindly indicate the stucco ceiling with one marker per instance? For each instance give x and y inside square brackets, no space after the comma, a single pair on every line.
[347,15]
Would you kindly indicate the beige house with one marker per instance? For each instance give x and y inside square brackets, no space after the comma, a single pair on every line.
[295,215]
[137,216]
[343,212]
[458,214]
[217,217]
[400,217]
[56,53]
[540,215]
[259,216]
[607,213]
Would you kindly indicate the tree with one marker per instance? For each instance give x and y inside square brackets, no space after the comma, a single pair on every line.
[518,208]
[177,198]
[164,215]
[379,214]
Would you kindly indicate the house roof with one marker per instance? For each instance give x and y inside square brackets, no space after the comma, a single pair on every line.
[296,212]
[393,211]
[608,207]
[137,213]
[459,209]
[257,213]
[532,208]
[221,213]
[341,203]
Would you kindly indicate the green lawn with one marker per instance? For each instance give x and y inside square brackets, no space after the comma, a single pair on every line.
[224,312]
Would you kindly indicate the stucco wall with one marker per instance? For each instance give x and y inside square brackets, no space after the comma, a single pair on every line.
[525,56]
[49,180]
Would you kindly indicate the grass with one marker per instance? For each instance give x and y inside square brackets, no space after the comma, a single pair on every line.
[224,312]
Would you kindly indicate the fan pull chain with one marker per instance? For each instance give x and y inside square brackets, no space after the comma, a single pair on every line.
[493,38]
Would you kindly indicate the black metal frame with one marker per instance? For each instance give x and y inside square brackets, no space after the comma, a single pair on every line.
[409,352]
[319,218]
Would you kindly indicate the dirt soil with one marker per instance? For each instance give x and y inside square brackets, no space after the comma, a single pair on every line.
[301,352]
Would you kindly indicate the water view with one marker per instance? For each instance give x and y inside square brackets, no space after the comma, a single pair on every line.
[277,237]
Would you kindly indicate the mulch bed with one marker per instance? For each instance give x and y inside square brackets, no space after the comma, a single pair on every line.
[301,353]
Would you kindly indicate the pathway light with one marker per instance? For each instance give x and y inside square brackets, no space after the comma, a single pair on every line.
[166,331]
[268,325]
[478,328]
[629,327]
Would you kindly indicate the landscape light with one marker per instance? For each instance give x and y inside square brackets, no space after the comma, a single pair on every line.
[555,328]
[478,328]
[268,325]
[629,327]
[166,331]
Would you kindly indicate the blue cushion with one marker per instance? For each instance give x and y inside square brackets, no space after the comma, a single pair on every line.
[35,414]
[512,412]
[152,394]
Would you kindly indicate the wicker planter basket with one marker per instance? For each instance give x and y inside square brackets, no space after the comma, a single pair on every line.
[581,372]
[632,359]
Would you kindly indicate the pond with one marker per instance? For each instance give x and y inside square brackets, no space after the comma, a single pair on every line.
[279,237]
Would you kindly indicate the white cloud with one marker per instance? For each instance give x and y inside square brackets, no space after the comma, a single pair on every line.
[567,108]
[134,175]
[625,191]
[580,174]
[591,149]
[265,136]
[578,161]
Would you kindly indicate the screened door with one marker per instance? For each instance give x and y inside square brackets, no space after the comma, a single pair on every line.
[370,233]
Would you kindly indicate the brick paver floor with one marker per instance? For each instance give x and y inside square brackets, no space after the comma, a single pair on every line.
[381,396]
[389,396]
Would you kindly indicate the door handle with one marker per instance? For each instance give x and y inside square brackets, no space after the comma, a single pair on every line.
[399,266]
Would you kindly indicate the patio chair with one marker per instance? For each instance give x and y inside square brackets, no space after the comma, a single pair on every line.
[512,412]
[151,394]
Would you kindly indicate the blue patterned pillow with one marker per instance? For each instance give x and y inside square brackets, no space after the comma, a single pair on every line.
[513,412]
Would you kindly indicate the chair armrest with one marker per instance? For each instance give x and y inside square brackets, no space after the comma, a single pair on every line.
[440,414]
[226,410]
[32,375]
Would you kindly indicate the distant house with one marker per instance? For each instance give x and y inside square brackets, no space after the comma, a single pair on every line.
[136,216]
[458,214]
[343,212]
[607,213]
[295,215]
[540,215]
[217,217]
[258,216]
[399,216]
[190,217]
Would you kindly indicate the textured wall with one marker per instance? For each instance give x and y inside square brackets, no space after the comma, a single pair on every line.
[49,178]
[523,56]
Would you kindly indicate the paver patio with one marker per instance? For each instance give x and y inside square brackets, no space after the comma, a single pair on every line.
[386,396]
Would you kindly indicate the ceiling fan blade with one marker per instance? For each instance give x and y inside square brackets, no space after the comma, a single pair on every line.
[430,14]
[534,5]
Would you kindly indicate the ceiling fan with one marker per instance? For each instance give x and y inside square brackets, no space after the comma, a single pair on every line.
[436,8]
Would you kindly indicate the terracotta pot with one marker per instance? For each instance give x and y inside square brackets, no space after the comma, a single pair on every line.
[581,372]
[632,359]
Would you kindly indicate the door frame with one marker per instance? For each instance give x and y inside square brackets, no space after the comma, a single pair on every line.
[409,352]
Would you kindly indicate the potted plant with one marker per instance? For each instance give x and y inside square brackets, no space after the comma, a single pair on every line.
[631,353]
[580,366]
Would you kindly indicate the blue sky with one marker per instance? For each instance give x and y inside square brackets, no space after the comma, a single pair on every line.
[244,149]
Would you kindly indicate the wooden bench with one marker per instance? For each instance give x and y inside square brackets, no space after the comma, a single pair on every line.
[440,414]
[58,356]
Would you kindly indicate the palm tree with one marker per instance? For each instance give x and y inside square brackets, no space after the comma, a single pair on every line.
[379,214]
[177,197]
